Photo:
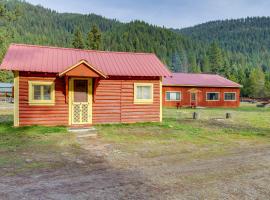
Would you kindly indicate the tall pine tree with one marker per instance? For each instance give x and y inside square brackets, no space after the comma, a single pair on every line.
[267,85]
[193,64]
[205,65]
[215,58]
[94,38]
[6,34]
[78,39]
[176,62]
[256,83]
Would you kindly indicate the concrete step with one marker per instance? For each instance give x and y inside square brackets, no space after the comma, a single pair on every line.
[84,132]
[82,129]
[87,135]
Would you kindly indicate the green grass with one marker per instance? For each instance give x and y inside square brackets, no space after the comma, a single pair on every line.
[12,138]
[178,125]
[249,126]
[30,142]
[178,134]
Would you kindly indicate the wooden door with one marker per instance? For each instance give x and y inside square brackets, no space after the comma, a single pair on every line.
[81,101]
[193,99]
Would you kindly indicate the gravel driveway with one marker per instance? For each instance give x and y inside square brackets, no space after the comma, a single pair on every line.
[105,172]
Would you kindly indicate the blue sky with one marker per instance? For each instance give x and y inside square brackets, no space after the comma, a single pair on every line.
[170,13]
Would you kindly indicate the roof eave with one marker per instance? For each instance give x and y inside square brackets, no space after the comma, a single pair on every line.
[185,85]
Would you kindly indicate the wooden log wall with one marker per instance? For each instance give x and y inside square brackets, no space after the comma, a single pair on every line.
[201,96]
[113,101]
[50,115]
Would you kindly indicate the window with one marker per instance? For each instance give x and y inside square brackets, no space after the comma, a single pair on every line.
[173,96]
[143,93]
[212,96]
[41,93]
[229,96]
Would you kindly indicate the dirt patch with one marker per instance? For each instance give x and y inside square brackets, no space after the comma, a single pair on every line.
[107,172]
[94,178]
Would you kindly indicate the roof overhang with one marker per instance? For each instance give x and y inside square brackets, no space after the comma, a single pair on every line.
[88,65]
[182,85]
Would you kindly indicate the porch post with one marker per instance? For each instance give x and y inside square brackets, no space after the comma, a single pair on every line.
[66,89]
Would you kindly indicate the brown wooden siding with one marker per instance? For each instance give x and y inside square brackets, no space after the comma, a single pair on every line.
[201,96]
[112,102]
[42,115]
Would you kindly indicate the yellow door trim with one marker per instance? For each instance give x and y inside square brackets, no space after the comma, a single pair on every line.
[160,98]
[70,95]
[16,120]
[71,99]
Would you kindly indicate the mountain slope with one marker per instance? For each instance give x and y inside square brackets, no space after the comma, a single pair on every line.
[38,25]
[247,45]
[248,35]
[240,52]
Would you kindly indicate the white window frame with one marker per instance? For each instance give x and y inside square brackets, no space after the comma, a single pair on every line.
[230,93]
[206,96]
[180,95]
[143,101]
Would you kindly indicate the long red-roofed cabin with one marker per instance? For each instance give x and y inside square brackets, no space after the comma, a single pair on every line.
[72,87]
[205,90]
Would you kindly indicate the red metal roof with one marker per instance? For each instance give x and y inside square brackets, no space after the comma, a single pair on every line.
[21,57]
[200,80]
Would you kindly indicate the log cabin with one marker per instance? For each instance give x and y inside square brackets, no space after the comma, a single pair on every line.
[200,90]
[79,88]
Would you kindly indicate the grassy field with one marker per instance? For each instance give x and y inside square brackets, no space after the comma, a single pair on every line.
[33,143]
[211,133]
[228,157]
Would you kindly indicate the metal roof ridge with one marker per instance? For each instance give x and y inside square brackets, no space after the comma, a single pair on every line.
[75,49]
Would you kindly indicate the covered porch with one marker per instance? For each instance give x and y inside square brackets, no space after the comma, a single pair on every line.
[80,82]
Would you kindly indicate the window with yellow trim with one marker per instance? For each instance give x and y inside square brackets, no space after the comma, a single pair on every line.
[41,93]
[143,93]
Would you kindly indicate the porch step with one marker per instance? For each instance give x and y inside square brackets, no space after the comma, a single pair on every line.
[84,132]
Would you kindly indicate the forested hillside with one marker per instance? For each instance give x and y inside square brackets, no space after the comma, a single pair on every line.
[187,50]
[247,40]
[37,25]
[248,35]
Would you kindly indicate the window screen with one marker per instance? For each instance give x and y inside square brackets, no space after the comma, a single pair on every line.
[172,96]
[144,92]
[212,96]
[47,92]
[80,91]
[41,92]
[37,92]
[229,96]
